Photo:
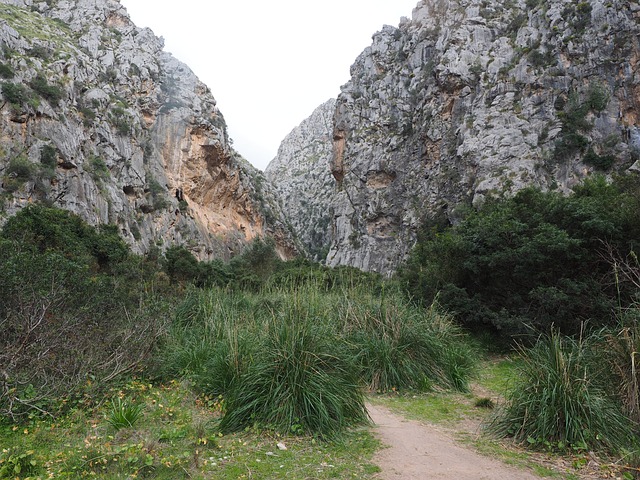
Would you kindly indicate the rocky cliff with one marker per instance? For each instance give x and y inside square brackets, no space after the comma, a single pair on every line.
[301,174]
[97,119]
[471,99]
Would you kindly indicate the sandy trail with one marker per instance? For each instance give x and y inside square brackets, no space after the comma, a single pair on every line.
[417,451]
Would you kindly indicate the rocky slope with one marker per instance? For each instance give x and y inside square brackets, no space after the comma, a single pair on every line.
[472,99]
[300,172]
[98,119]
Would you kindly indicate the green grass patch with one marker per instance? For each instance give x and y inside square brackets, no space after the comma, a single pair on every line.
[176,438]
[437,408]
[497,374]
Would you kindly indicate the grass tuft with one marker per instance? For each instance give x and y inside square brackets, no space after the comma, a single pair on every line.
[123,414]
[557,402]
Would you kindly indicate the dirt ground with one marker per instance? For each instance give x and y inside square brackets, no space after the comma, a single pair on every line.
[421,452]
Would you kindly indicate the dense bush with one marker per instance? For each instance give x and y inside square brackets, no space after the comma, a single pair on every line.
[43,230]
[15,93]
[534,260]
[52,93]
[78,312]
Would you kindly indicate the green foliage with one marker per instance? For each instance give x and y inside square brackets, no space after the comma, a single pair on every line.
[617,363]
[296,383]
[41,229]
[600,162]
[88,116]
[19,171]
[15,463]
[121,120]
[123,413]
[49,156]
[398,346]
[63,282]
[181,265]
[52,93]
[575,124]
[98,169]
[6,71]
[529,261]
[40,51]
[15,93]
[20,168]
[158,195]
[310,350]
[558,403]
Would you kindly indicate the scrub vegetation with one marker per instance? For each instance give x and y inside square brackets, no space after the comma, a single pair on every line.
[161,366]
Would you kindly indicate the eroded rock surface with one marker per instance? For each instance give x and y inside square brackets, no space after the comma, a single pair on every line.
[471,99]
[99,120]
[301,174]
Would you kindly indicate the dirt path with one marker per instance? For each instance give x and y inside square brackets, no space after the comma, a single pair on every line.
[419,452]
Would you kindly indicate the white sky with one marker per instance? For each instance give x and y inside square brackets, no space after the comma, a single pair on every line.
[269,64]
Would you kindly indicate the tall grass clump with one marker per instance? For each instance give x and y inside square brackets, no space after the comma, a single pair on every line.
[559,402]
[210,340]
[396,345]
[296,383]
[622,361]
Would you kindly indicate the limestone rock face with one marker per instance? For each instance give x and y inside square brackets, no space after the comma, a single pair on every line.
[302,177]
[472,99]
[99,120]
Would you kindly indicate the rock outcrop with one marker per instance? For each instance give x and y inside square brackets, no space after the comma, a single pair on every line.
[301,175]
[472,99]
[99,120]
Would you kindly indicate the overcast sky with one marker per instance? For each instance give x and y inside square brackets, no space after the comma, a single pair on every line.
[269,64]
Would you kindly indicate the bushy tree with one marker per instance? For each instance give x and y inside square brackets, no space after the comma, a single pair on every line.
[533,260]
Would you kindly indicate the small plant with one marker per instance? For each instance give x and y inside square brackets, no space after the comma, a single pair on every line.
[123,414]
[485,403]
[98,169]
[88,116]
[49,156]
[121,120]
[14,464]
[18,172]
[600,162]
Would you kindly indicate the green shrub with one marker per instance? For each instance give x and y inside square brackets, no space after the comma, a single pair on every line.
[17,463]
[88,116]
[15,93]
[40,51]
[6,71]
[98,169]
[600,162]
[121,120]
[49,156]
[180,264]
[557,402]
[52,93]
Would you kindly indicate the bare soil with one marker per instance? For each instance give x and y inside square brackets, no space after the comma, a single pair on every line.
[418,451]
